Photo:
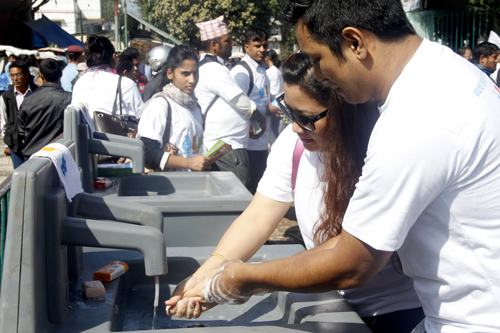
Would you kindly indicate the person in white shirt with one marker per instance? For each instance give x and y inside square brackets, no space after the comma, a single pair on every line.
[389,302]
[173,117]
[253,80]
[429,186]
[75,56]
[225,106]
[276,80]
[98,86]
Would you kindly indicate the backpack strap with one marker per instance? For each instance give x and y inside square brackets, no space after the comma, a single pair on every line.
[209,58]
[297,154]
[250,74]
[118,93]
[166,133]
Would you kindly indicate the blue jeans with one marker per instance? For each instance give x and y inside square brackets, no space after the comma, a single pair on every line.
[17,159]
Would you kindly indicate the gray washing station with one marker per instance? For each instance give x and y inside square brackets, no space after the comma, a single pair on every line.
[37,296]
[206,203]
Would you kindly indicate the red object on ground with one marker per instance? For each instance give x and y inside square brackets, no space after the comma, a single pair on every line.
[102,182]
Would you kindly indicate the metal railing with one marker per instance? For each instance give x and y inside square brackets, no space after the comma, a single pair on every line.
[460,27]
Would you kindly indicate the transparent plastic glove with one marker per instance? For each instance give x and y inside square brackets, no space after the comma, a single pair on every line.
[224,289]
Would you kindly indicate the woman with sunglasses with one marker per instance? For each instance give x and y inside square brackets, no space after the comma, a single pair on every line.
[335,137]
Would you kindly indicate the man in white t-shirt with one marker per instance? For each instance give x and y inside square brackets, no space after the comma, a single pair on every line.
[430,184]
[226,108]
[250,74]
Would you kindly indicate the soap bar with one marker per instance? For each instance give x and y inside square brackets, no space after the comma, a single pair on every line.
[102,182]
[110,272]
[93,289]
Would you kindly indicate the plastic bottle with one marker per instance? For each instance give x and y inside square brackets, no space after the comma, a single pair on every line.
[111,271]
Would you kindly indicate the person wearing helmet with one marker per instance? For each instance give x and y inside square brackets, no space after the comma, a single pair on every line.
[156,58]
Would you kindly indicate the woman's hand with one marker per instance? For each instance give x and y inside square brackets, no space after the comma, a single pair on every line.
[200,163]
[174,304]
[192,306]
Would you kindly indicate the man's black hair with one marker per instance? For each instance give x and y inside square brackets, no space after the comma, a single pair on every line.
[326,19]
[32,62]
[13,56]
[254,34]
[133,53]
[22,65]
[205,44]
[24,57]
[462,49]
[73,56]
[483,49]
[51,70]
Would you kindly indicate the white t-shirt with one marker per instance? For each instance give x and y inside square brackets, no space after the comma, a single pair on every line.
[276,80]
[98,90]
[186,131]
[222,120]
[259,94]
[389,291]
[430,188]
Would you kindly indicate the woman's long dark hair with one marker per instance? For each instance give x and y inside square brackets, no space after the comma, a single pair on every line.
[175,58]
[347,132]
[98,51]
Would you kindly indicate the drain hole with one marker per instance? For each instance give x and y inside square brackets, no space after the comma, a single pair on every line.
[196,325]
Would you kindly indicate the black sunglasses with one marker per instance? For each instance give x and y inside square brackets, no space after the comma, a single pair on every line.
[306,122]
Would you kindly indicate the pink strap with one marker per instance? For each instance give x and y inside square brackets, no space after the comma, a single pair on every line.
[297,154]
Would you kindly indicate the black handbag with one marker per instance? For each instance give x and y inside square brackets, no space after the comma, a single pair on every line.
[109,123]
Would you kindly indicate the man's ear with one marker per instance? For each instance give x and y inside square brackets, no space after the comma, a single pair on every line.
[214,45]
[356,42]
[42,78]
[246,47]
[482,59]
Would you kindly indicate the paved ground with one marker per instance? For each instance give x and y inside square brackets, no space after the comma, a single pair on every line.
[5,163]
[287,231]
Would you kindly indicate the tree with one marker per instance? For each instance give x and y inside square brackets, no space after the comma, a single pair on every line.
[179,17]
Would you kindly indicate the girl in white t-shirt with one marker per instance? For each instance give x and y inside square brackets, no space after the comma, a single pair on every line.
[98,86]
[173,117]
[335,137]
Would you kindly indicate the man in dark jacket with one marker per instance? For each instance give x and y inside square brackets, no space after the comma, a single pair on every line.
[41,116]
[9,107]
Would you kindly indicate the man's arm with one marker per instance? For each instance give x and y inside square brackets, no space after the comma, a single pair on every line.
[348,264]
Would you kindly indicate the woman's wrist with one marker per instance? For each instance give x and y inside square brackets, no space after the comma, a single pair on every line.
[209,265]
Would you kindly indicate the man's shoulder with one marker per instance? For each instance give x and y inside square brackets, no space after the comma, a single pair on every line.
[9,92]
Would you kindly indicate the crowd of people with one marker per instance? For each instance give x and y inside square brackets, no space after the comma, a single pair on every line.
[168,112]
[392,158]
